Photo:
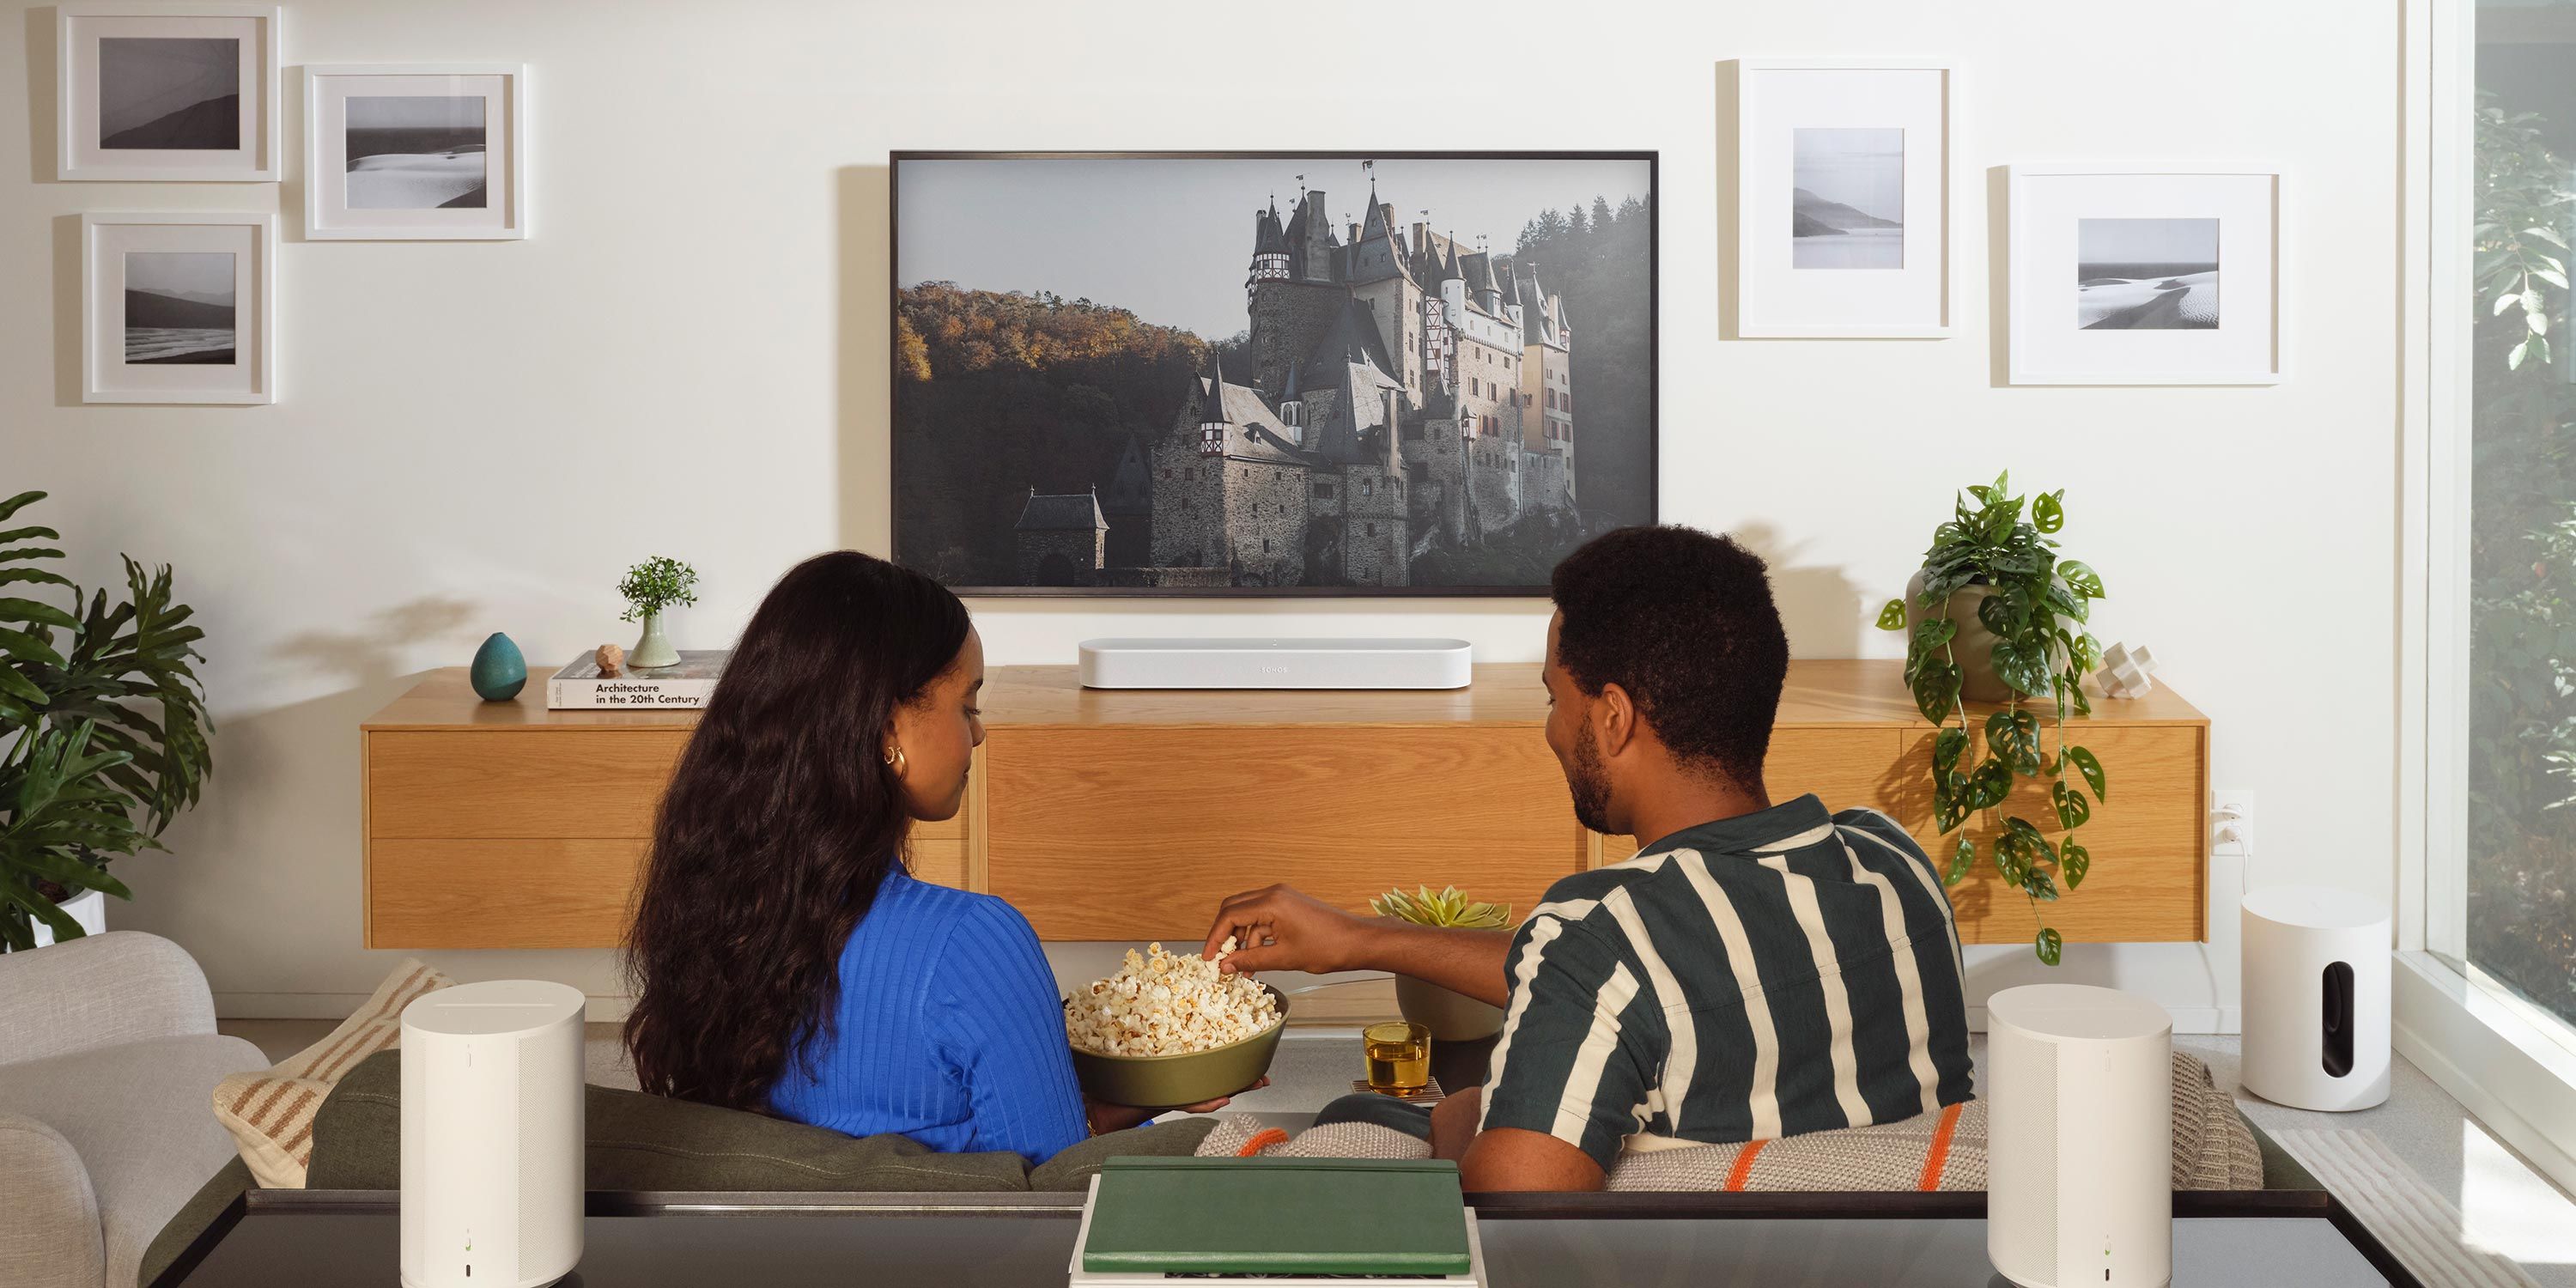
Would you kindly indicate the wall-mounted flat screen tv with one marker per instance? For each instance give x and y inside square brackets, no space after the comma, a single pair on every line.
[1269,373]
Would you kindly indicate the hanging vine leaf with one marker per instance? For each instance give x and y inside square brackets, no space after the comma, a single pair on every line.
[1988,784]
[1936,690]
[1960,861]
[1934,632]
[2052,946]
[2023,666]
[2038,885]
[2013,735]
[2081,577]
[2091,768]
[1892,617]
[1947,746]
[2073,861]
[2073,811]
[2048,510]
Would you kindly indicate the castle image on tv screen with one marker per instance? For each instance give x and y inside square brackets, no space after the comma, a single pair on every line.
[1327,373]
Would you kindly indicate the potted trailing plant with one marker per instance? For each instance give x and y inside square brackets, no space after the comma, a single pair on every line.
[102,733]
[2000,568]
[651,588]
[1451,1016]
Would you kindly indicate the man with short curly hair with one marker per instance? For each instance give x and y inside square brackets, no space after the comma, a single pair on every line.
[1756,971]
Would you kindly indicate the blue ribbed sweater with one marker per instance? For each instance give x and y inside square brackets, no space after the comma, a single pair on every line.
[949,1030]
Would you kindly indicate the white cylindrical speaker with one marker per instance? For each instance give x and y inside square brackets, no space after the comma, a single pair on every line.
[492,1135]
[2316,998]
[2079,1137]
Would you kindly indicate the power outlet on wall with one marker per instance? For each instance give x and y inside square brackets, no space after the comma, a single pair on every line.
[2231,823]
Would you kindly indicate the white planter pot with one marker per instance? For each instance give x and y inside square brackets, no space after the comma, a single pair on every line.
[1451,1016]
[89,908]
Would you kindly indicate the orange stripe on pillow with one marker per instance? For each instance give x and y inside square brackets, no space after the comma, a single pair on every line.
[1939,1155]
[1736,1176]
[1261,1140]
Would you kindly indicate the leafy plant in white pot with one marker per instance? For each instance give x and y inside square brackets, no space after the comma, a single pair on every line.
[1451,1016]
[102,733]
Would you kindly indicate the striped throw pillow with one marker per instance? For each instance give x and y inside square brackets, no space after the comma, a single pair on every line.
[271,1114]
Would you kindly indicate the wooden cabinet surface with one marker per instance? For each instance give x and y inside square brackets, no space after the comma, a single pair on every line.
[1127,815]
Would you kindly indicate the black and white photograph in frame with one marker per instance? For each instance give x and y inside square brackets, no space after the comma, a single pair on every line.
[2146,274]
[176,308]
[166,92]
[1843,196]
[414,152]
[2115,274]
[1847,205]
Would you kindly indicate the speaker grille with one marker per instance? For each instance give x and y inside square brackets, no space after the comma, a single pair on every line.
[2028,1152]
[546,1230]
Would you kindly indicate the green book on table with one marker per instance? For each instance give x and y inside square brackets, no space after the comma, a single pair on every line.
[1256,1216]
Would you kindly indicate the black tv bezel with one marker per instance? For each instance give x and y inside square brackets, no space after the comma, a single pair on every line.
[1654,367]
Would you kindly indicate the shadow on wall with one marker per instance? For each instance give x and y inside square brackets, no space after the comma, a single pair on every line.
[1818,604]
[1730,180]
[40,96]
[865,267]
[1999,276]
[371,656]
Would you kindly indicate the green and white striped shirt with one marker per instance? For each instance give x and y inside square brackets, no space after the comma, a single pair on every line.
[1780,972]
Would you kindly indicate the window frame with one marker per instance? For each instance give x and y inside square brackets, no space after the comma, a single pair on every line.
[2505,1060]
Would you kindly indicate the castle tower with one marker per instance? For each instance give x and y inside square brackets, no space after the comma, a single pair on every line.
[1269,248]
[1212,418]
[1292,404]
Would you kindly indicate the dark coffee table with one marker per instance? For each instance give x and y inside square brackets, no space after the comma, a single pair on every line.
[323,1238]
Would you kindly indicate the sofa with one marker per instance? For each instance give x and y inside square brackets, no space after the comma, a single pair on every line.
[108,1052]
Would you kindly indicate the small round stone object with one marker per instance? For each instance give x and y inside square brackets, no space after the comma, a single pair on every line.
[612,659]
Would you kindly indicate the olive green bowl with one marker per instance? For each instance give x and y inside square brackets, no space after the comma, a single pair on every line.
[1170,1081]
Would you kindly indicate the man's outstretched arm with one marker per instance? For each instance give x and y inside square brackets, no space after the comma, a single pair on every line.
[1278,928]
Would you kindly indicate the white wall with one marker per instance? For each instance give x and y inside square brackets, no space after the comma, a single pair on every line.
[689,358]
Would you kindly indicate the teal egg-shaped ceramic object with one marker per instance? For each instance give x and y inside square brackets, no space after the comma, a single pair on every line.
[499,672]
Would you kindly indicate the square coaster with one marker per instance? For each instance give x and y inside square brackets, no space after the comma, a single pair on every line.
[1429,1094]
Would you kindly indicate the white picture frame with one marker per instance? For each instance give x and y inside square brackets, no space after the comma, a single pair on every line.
[2132,317]
[129,76]
[1834,121]
[413,198]
[169,256]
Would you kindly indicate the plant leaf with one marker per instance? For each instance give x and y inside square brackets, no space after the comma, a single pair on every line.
[1936,690]
[2013,735]
[2022,668]
[2091,768]
[2048,510]
[2073,810]
[1947,746]
[2074,861]
[1988,784]
[2051,946]
[1891,616]
[1960,861]
[2080,577]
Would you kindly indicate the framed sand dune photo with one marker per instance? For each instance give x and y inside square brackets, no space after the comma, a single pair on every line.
[2127,275]
[180,92]
[176,308]
[416,152]
[1842,219]
[1269,374]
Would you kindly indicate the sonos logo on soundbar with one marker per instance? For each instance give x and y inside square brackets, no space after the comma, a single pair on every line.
[1274,670]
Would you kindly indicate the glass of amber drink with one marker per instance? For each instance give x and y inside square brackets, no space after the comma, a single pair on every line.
[1399,1057]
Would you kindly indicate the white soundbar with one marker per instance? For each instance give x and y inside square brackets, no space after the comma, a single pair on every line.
[1275,664]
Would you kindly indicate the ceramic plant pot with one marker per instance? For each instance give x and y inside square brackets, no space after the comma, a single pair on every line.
[1973,646]
[1451,1016]
[499,671]
[654,648]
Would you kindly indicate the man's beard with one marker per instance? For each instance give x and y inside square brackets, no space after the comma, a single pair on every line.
[1590,782]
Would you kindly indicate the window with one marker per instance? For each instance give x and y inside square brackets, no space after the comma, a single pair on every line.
[1372,529]
[2494,990]
[1368,487]
[1265,545]
[1323,490]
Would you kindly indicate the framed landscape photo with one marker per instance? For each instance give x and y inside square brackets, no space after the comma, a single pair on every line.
[1843,198]
[177,308]
[2145,275]
[180,92]
[1269,373]
[416,152]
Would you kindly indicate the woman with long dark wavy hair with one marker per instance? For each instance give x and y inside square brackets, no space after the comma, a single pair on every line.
[783,958]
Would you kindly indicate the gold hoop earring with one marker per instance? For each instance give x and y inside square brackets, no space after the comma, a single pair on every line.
[894,756]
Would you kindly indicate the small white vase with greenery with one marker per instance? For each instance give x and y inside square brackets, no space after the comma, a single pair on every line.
[1451,1016]
[651,588]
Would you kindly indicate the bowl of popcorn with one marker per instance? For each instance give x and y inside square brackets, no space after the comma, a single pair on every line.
[1168,1030]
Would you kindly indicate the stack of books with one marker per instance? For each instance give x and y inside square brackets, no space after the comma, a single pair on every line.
[580,686]
[1287,1222]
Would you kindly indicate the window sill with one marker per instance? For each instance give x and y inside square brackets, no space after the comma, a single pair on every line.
[2503,1062]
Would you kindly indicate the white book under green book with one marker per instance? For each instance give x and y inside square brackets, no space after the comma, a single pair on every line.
[684,684]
